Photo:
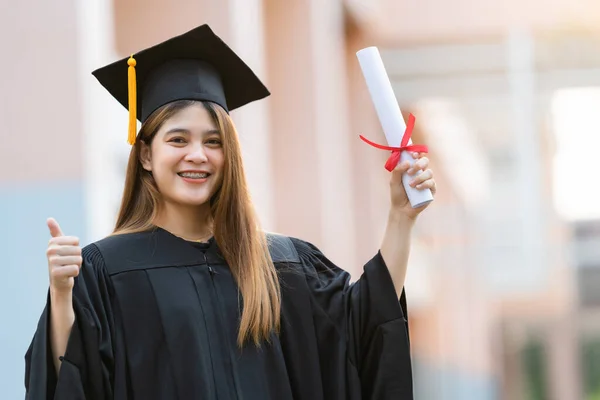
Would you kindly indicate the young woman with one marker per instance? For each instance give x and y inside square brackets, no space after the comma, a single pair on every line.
[188,298]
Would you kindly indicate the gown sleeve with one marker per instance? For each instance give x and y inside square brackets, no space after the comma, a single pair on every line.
[87,365]
[371,318]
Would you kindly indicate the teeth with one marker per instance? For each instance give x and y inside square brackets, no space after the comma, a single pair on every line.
[193,175]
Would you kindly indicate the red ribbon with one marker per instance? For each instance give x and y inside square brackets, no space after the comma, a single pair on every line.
[392,162]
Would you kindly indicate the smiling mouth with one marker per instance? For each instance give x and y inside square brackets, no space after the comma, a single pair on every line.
[194,175]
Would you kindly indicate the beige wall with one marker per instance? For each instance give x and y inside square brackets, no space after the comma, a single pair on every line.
[412,21]
[40,111]
[311,139]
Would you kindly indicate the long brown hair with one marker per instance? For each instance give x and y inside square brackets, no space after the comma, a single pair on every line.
[235,223]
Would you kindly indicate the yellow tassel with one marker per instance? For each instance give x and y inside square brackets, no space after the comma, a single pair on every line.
[132,101]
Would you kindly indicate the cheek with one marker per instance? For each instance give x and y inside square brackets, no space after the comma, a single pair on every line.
[218,159]
[164,158]
[163,164]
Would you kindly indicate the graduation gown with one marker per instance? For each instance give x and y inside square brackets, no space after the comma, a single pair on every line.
[157,317]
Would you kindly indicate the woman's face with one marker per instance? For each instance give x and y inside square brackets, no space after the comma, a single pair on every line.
[186,157]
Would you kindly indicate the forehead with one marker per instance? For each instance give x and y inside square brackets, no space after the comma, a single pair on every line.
[192,117]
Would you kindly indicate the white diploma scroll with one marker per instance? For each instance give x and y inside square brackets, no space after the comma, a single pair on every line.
[390,117]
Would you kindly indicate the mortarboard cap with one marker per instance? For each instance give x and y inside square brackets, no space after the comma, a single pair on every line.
[196,65]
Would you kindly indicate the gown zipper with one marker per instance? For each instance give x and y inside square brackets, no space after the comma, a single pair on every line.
[213,274]
[212,361]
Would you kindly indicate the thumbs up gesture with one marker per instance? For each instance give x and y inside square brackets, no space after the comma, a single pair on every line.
[64,259]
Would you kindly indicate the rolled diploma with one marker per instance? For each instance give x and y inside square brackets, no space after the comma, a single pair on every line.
[390,117]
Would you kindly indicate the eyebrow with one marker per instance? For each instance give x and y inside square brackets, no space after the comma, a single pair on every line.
[187,131]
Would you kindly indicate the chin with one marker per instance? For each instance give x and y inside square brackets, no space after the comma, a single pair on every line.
[192,199]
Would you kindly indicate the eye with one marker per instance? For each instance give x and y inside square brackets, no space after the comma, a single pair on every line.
[214,142]
[177,140]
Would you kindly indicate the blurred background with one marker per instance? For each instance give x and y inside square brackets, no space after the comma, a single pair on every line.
[504,278]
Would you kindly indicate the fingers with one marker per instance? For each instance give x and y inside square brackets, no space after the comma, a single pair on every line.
[428,184]
[424,180]
[67,271]
[66,250]
[64,241]
[60,255]
[64,255]
[54,228]
[421,164]
[422,177]
[61,261]
[64,263]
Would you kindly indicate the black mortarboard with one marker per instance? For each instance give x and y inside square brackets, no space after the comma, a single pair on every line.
[196,65]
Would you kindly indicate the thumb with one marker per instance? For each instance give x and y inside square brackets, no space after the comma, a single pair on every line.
[400,170]
[54,227]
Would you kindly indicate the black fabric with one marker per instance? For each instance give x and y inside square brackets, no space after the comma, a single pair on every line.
[196,65]
[157,318]
[181,80]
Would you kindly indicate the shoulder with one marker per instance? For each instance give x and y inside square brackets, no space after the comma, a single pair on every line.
[94,252]
[117,251]
[120,242]
[309,259]
[289,249]
[302,251]
[92,261]
[93,267]
[282,248]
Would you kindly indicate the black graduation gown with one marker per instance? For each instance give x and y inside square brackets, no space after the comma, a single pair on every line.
[157,318]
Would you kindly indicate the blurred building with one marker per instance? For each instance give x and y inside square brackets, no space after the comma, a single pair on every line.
[585,253]
[501,305]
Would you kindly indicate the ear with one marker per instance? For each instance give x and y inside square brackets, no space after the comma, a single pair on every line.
[146,156]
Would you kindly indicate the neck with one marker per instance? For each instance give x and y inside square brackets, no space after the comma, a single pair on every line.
[190,223]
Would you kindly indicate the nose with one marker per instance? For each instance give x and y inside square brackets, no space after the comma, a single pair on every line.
[196,154]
